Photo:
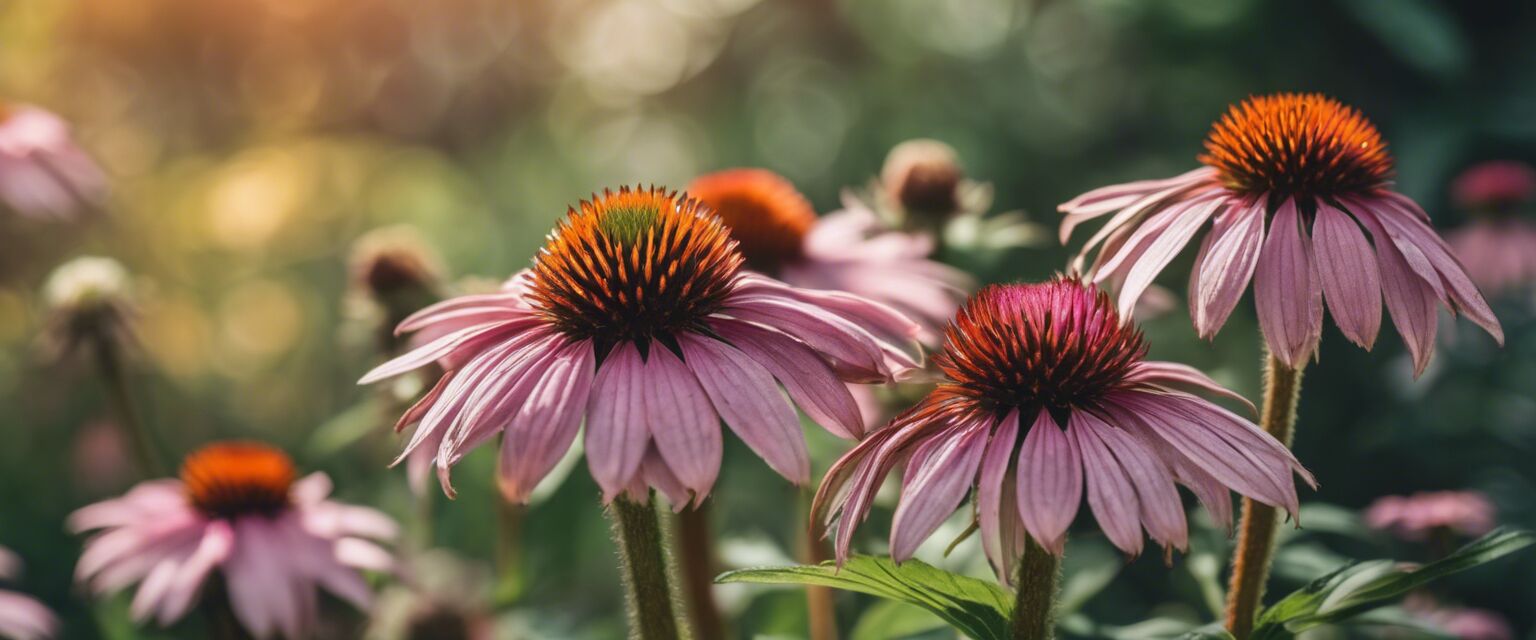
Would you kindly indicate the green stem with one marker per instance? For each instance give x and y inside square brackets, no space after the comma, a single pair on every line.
[821,610]
[509,549]
[1034,606]
[1256,532]
[110,363]
[643,564]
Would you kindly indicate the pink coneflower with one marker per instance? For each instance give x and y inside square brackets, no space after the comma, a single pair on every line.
[22,617]
[638,318]
[1463,623]
[237,510]
[1498,246]
[1416,517]
[1047,399]
[43,173]
[1289,181]
[780,235]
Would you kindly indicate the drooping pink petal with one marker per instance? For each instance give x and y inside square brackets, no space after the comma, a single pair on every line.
[863,311]
[1162,248]
[547,423]
[1464,296]
[810,382]
[1225,265]
[1160,510]
[466,339]
[1175,375]
[1104,200]
[25,618]
[218,540]
[936,488]
[1287,290]
[262,592]
[746,397]
[1347,266]
[997,514]
[488,302]
[616,436]
[852,351]
[1410,299]
[1111,494]
[1148,205]
[1050,483]
[683,425]
[148,599]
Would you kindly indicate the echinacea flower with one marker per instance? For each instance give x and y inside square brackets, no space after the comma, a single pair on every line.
[236,510]
[1462,623]
[1498,246]
[1289,181]
[43,172]
[1416,517]
[22,617]
[637,319]
[781,236]
[1047,398]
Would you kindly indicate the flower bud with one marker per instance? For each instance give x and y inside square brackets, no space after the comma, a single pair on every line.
[924,177]
[88,298]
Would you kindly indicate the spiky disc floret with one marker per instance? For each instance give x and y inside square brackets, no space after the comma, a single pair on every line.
[766,215]
[230,479]
[1297,145]
[1056,345]
[634,265]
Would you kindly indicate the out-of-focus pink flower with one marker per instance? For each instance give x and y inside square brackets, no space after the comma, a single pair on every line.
[638,318]
[1464,623]
[1289,181]
[1498,246]
[1497,185]
[1047,399]
[1414,517]
[101,456]
[43,173]
[850,250]
[22,617]
[237,510]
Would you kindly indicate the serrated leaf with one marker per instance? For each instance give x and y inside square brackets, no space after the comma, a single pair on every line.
[977,608]
[1359,587]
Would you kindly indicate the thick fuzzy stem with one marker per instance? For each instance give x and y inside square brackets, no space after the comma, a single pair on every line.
[1034,606]
[696,561]
[1256,533]
[643,565]
[821,611]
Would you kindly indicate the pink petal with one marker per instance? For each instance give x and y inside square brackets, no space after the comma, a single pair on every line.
[1224,266]
[853,352]
[25,619]
[1463,293]
[1410,299]
[1347,266]
[211,552]
[996,503]
[1163,247]
[616,434]
[467,339]
[657,474]
[547,422]
[1175,375]
[805,376]
[453,307]
[1161,511]
[1148,205]
[936,488]
[682,423]
[744,394]
[1050,483]
[265,597]
[1287,290]
[1111,496]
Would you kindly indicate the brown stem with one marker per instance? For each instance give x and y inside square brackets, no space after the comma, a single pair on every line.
[643,565]
[1034,606]
[1256,532]
[821,614]
[698,565]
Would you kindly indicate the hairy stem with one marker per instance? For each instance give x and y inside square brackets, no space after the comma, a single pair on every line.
[1034,606]
[697,563]
[820,610]
[1256,532]
[109,362]
[643,565]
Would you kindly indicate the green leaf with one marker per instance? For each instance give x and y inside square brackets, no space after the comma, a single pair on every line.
[892,620]
[1088,570]
[1359,587]
[977,608]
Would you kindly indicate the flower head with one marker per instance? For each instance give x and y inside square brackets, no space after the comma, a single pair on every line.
[1496,186]
[780,236]
[1047,398]
[1498,246]
[43,173]
[1415,517]
[1289,182]
[22,617]
[237,509]
[89,298]
[924,177]
[637,319]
